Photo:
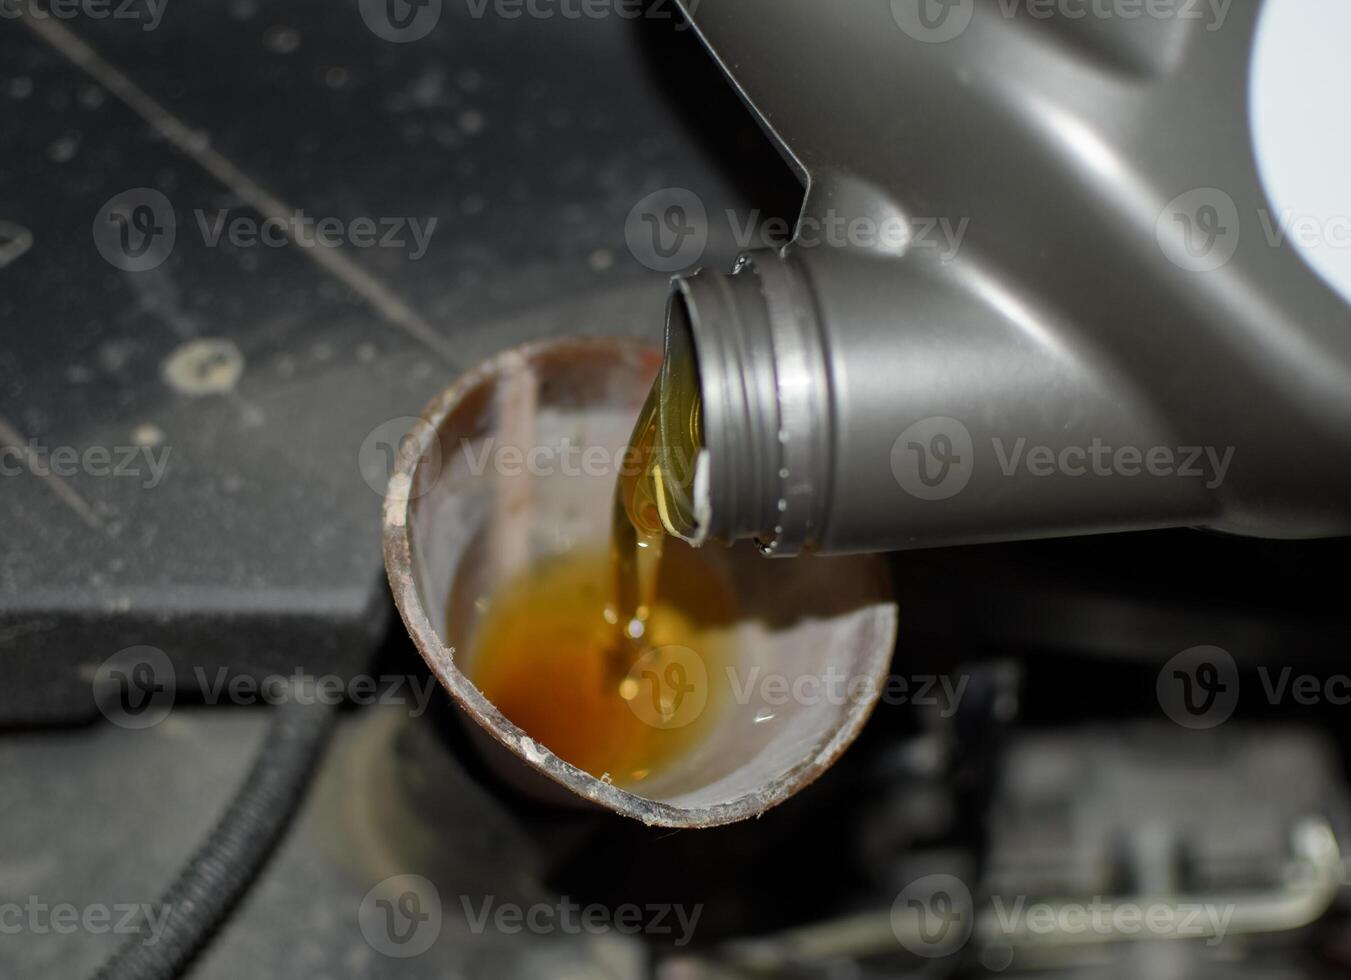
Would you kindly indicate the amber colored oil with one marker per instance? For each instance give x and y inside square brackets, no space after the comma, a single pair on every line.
[657,490]
[544,654]
[610,658]
[653,497]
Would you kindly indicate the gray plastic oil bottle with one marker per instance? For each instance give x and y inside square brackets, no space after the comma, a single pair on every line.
[1063,267]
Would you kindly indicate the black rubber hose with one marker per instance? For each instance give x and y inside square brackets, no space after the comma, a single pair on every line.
[218,874]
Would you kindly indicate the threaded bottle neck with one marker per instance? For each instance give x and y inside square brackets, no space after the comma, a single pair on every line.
[765,395]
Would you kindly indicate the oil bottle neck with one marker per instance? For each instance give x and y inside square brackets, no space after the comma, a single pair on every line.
[766,396]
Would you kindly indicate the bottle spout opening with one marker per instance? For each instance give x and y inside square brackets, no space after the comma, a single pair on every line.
[758,366]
